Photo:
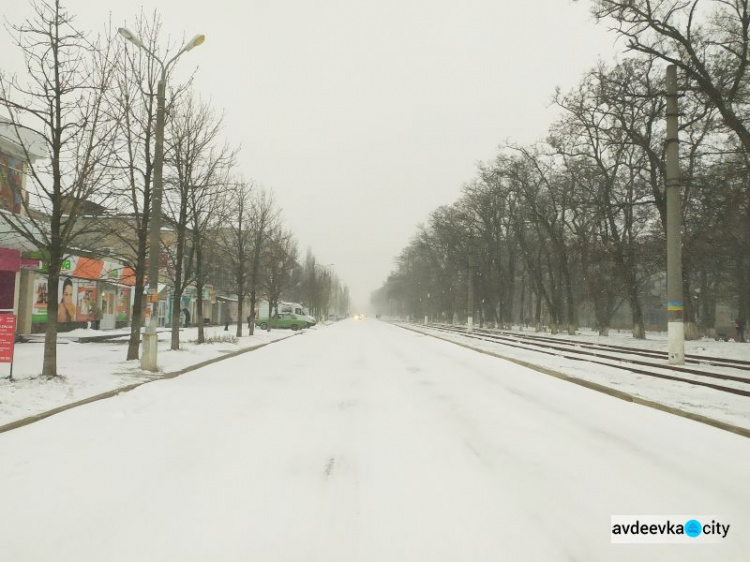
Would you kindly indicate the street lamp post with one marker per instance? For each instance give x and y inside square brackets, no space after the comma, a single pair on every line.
[150,340]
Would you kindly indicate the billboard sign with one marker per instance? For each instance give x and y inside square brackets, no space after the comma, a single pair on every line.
[7,337]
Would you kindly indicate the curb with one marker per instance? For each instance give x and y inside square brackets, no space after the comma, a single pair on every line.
[744,432]
[121,390]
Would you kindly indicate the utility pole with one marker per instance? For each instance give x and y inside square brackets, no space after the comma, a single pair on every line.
[470,320]
[675,304]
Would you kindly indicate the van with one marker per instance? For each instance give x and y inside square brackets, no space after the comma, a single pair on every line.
[287,308]
[283,320]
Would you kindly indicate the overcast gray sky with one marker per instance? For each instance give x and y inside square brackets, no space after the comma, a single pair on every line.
[363,116]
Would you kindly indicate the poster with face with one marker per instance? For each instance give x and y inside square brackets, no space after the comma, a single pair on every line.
[87,303]
[66,311]
[40,298]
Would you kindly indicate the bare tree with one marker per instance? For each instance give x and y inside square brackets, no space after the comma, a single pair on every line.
[235,241]
[194,162]
[281,261]
[133,100]
[263,219]
[708,40]
[207,200]
[63,103]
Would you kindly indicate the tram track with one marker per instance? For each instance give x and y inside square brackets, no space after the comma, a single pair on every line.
[689,358]
[617,357]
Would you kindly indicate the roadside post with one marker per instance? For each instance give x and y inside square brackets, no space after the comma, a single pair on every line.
[675,305]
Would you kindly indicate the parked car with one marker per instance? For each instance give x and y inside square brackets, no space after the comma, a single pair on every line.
[284,320]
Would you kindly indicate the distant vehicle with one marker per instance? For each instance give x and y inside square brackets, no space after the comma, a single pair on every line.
[285,320]
[286,308]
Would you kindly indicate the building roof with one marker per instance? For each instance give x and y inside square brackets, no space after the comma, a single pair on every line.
[13,140]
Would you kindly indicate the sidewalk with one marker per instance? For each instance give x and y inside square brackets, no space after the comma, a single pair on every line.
[88,369]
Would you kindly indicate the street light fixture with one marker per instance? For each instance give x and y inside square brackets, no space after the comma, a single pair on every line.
[150,340]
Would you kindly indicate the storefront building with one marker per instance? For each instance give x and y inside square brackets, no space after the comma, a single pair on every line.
[12,193]
[92,293]
[10,265]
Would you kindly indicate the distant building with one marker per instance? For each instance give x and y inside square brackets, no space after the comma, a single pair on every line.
[13,166]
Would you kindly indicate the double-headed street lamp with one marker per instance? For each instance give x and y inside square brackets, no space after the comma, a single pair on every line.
[150,340]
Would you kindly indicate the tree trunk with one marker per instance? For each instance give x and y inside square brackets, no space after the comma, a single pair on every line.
[571,305]
[251,327]
[197,241]
[136,317]
[135,321]
[49,368]
[639,329]
[240,308]
[522,308]
[175,322]
[199,312]
[177,296]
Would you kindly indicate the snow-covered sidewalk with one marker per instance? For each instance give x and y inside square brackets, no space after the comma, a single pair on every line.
[89,369]
[724,407]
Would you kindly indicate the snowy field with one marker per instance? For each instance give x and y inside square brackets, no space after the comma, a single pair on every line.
[722,406]
[89,369]
[363,442]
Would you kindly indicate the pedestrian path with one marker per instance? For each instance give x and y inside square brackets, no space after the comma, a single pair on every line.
[90,369]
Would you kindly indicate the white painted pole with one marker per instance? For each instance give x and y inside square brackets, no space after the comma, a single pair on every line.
[675,305]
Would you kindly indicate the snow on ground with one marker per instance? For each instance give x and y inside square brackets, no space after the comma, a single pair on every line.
[722,406]
[89,369]
[654,341]
[363,442]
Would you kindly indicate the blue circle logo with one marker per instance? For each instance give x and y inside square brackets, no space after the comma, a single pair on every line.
[693,528]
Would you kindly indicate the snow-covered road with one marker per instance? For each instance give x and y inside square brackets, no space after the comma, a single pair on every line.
[362,442]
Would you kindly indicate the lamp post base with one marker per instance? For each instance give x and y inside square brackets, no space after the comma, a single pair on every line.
[676,339]
[148,350]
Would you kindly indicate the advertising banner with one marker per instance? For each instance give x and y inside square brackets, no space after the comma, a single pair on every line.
[93,269]
[117,273]
[123,304]
[39,306]
[68,295]
[87,301]
[7,337]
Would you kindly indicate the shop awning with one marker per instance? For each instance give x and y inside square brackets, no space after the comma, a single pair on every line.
[10,260]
